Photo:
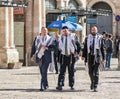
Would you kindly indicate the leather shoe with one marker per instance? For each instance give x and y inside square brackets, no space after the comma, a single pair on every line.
[72,88]
[59,88]
[46,87]
[41,89]
[95,90]
[56,73]
[92,86]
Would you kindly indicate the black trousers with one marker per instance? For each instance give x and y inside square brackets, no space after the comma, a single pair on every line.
[55,61]
[72,76]
[66,62]
[43,70]
[93,70]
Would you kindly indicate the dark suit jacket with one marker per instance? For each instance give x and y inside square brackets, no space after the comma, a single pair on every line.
[100,53]
[47,54]
[78,47]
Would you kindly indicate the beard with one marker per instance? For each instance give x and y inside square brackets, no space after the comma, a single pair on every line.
[93,33]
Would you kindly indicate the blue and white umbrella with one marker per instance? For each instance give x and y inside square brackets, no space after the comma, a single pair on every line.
[77,26]
[60,23]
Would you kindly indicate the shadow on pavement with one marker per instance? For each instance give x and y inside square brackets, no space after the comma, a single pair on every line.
[37,90]
[27,74]
[25,90]
[112,82]
[116,82]
[64,90]
[112,77]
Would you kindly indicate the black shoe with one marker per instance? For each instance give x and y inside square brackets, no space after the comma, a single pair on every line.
[41,89]
[59,88]
[95,90]
[46,87]
[74,70]
[56,73]
[92,86]
[72,88]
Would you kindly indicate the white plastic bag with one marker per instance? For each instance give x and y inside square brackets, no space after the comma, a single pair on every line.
[51,68]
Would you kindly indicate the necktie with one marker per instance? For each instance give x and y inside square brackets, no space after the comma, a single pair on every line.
[93,44]
[43,39]
[66,50]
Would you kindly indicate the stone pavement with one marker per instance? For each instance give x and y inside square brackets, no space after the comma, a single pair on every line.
[24,84]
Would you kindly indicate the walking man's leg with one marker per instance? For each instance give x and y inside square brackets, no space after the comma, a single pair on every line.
[96,76]
[44,82]
[71,73]
[61,76]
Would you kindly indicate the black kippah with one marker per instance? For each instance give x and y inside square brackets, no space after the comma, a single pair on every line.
[64,27]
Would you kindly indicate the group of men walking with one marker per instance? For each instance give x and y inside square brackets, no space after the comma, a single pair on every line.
[69,48]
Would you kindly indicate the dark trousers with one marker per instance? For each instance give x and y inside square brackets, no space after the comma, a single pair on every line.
[43,70]
[65,62]
[93,70]
[71,76]
[55,61]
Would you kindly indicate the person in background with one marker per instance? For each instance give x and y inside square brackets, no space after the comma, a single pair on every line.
[109,50]
[103,43]
[56,53]
[92,55]
[104,38]
[116,45]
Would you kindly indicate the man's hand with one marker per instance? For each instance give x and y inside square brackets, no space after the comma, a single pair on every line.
[32,59]
[44,47]
[103,62]
[76,54]
[82,58]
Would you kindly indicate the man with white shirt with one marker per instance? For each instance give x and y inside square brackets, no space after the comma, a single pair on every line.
[42,48]
[67,49]
[93,52]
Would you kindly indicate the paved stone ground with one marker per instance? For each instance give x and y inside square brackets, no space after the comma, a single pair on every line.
[24,84]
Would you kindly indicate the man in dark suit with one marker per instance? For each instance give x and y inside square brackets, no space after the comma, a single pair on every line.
[41,48]
[92,53]
[67,49]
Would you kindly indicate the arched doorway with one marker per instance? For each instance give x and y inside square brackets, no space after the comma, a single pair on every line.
[73,4]
[104,22]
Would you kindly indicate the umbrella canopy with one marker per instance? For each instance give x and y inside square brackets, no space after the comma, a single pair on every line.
[60,23]
[77,26]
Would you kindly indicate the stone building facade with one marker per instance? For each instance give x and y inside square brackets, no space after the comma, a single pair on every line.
[8,52]
[114,6]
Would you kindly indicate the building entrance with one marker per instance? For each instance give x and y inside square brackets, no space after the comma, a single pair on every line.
[104,22]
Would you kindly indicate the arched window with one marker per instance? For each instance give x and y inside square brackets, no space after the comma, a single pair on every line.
[101,5]
[73,4]
[104,23]
[50,4]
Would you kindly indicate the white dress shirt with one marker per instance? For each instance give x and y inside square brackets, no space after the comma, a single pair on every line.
[70,47]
